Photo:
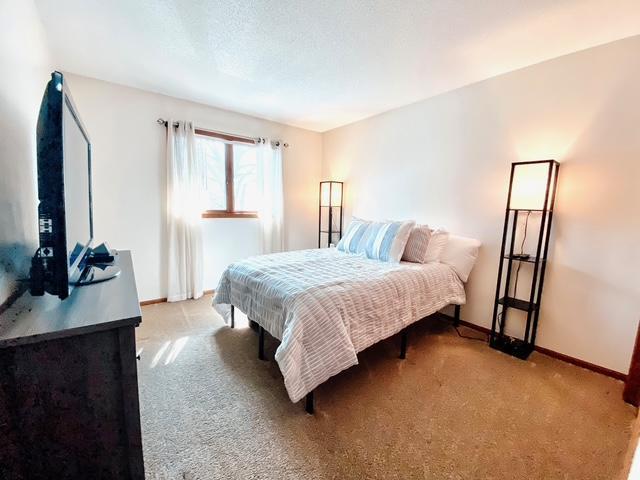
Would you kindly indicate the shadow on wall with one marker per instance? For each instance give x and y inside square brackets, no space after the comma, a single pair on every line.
[15,260]
[18,198]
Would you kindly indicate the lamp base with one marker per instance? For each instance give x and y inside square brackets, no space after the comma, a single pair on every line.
[511,346]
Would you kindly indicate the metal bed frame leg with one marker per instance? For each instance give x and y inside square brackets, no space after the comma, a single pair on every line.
[308,403]
[261,344]
[404,337]
[456,316]
[233,316]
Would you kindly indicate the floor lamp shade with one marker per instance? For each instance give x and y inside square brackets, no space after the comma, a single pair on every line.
[330,213]
[330,194]
[532,185]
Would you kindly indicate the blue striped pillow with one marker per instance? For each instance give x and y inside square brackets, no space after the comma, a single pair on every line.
[352,240]
[386,240]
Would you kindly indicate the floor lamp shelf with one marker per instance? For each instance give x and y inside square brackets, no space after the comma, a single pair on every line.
[531,198]
[330,213]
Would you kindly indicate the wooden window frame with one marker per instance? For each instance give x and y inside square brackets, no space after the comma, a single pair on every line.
[228,158]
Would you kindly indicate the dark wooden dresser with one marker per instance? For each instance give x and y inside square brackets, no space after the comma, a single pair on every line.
[68,384]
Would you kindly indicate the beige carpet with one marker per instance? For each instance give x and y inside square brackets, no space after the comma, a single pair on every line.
[455,409]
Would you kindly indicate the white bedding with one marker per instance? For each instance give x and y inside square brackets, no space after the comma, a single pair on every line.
[326,306]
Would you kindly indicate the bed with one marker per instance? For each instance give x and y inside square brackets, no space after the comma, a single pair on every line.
[325,306]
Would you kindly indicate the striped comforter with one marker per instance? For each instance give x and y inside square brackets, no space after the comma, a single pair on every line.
[325,306]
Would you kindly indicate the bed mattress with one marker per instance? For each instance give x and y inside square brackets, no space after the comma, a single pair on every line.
[325,306]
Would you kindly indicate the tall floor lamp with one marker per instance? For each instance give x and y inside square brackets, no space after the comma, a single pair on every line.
[532,191]
[330,213]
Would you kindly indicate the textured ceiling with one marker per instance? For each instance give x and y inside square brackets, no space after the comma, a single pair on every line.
[319,64]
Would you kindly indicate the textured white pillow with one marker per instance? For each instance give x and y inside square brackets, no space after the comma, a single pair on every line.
[461,254]
[416,248]
[386,240]
[436,245]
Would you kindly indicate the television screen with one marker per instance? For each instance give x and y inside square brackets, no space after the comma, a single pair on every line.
[77,189]
[64,191]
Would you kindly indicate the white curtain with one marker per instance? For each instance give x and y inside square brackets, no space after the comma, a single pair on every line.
[186,180]
[270,184]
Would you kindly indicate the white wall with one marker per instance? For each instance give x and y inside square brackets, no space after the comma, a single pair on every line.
[129,178]
[445,161]
[25,70]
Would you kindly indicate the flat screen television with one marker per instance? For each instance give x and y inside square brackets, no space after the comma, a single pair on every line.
[64,192]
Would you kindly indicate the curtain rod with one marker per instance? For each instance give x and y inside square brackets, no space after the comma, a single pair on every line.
[277,143]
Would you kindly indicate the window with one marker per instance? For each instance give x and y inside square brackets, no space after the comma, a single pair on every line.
[232,175]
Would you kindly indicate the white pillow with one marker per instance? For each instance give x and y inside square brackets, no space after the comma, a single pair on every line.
[352,241]
[416,248]
[461,254]
[436,245]
[386,240]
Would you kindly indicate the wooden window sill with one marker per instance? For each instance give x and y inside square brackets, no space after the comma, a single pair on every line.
[218,214]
